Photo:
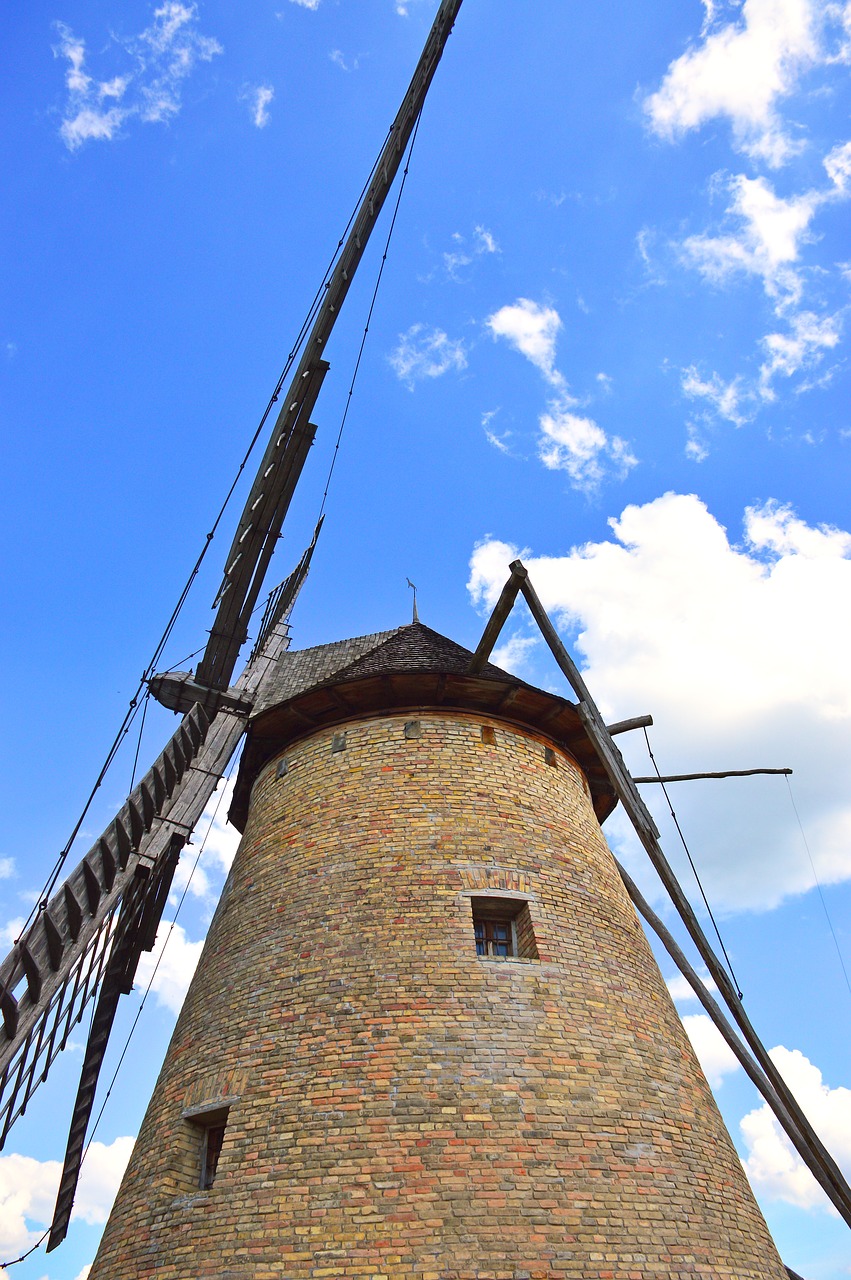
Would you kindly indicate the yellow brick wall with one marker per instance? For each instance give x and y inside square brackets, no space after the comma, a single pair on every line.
[400,1107]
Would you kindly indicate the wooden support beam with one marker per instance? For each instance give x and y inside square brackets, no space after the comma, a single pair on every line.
[822,1174]
[727,773]
[624,726]
[498,618]
[647,832]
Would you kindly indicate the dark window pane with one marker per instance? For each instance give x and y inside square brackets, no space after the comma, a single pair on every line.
[213,1140]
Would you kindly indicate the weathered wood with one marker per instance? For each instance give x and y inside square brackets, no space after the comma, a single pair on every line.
[85,942]
[624,726]
[824,1176]
[727,773]
[53,936]
[498,618]
[647,832]
[73,912]
[180,691]
[260,523]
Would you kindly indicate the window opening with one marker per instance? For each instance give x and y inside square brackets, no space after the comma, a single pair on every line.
[503,928]
[211,1149]
[210,1125]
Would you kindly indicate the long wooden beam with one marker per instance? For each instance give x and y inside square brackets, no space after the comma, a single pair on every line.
[648,833]
[752,1069]
[260,523]
[698,777]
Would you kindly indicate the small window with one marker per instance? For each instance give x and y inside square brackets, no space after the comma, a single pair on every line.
[503,928]
[211,1125]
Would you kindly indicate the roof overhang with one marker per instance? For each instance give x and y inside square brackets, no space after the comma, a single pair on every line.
[333,703]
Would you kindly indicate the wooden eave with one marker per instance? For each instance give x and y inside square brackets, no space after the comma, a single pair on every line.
[335,703]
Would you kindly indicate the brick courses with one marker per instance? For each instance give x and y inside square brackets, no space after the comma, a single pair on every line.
[400,1107]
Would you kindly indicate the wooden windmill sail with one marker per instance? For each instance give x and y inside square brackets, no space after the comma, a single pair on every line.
[86,941]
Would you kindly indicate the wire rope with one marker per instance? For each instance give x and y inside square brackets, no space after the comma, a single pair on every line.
[5,1265]
[133,706]
[692,865]
[818,886]
[369,314]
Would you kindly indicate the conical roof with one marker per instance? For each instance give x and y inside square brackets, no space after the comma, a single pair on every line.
[414,647]
[411,668]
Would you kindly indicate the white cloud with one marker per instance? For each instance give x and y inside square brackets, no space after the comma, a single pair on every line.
[802,347]
[713,1053]
[306,4]
[580,447]
[11,931]
[681,989]
[741,71]
[28,1192]
[339,59]
[513,654]
[765,239]
[7,868]
[499,441]
[160,58]
[673,618]
[568,442]
[485,241]
[532,330]
[838,166]
[465,252]
[766,243]
[258,98]
[724,397]
[170,966]
[772,1164]
[426,353]
[84,1274]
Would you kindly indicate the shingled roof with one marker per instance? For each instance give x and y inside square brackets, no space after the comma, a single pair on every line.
[414,647]
[397,672]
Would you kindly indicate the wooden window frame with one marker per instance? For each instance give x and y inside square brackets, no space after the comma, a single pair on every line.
[512,913]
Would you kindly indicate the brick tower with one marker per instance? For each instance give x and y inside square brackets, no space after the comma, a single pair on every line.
[427,1037]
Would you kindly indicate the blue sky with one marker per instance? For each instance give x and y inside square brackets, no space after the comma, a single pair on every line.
[612,335]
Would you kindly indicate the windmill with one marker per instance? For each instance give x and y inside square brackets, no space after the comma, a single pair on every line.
[87,939]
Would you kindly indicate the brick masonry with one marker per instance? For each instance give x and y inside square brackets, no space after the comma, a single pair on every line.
[398,1106]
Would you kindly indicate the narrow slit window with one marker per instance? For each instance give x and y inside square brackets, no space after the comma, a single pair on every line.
[213,1140]
[209,1125]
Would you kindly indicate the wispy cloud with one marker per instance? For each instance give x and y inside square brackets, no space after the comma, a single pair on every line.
[568,441]
[727,399]
[7,868]
[148,88]
[340,60]
[466,249]
[423,353]
[764,236]
[258,98]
